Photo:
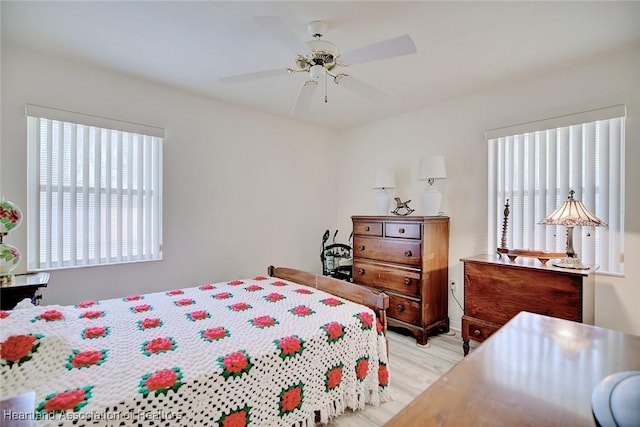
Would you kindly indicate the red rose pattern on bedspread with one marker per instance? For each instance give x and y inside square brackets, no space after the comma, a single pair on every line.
[253,352]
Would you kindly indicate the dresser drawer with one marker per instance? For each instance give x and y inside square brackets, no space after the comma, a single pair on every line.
[477,329]
[402,280]
[402,230]
[389,250]
[405,309]
[367,228]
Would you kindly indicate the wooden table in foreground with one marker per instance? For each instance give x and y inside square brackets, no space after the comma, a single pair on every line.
[535,370]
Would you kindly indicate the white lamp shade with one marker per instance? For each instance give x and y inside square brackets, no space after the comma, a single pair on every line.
[384,179]
[432,167]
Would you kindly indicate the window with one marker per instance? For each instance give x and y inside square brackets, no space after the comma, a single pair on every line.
[535,165]
[94,190]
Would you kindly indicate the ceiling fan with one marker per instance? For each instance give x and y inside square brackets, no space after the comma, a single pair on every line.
[321,58]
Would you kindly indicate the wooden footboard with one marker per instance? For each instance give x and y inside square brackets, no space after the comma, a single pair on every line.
[378,302]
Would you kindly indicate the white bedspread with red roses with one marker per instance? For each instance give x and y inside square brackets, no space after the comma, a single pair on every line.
[259,352]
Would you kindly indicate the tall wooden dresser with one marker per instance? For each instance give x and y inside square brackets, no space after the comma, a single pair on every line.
[496,289]
[407,258]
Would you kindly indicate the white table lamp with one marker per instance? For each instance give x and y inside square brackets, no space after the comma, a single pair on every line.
[431,168]
[384,180]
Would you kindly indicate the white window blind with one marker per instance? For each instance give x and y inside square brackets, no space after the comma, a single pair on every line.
[95,190]
[535,165]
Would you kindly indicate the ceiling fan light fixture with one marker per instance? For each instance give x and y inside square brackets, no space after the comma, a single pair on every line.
[316,71]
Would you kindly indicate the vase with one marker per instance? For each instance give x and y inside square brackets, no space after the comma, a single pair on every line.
[10,216]
[9,260]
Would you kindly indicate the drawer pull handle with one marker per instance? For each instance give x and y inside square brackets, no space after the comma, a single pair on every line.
[401,230]
[408,253]
[362,247]
[477,332]
[367,228]
[361,271]
[407,281]
[400,308]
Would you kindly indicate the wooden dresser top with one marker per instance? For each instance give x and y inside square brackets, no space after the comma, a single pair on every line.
[536,370]
[525,262]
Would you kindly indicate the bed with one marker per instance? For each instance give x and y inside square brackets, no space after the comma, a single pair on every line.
[288,349]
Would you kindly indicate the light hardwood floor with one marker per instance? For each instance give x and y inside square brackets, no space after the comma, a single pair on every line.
[412,370]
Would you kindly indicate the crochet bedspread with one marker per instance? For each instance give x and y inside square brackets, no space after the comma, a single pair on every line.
[263,352]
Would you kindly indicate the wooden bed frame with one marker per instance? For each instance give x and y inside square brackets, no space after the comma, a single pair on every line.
[378,302]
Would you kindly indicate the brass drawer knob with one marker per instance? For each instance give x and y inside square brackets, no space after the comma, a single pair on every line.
[408,253]
[401,230]
[367,228]
[477,332]
[361,271]
[362,247]
[400,308]
[407,281]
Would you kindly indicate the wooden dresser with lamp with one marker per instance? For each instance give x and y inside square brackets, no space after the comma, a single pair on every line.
[407,258]
[497,288]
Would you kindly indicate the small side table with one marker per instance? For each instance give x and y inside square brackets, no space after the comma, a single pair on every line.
[23,286]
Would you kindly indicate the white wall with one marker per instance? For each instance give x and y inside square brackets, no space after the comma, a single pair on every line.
[242,190]
[456,129]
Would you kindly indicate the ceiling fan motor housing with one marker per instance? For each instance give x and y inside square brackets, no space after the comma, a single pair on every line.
[322,53]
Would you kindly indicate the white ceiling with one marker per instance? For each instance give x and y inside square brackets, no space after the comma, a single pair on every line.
[462,46]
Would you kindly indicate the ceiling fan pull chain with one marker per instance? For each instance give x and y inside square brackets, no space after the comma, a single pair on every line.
[326,97]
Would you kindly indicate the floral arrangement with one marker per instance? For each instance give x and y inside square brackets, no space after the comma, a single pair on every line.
[235,364]
[301,311]
[160,382]
[149,323]
[290,346]
[366,320]
[239,306]
[141,308]
[263,322]
[18,349]
[214,334]
[334,331]
[94,332]
[198,315]
[83,359]
[86,304]
[362,368]
[91,314]
[50,316]
[158,345]
[236,418]
[274,297]
[334,377]
[331,302]
[68,400]
[291,398]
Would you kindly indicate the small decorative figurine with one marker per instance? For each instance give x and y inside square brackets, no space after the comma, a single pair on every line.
[404,206]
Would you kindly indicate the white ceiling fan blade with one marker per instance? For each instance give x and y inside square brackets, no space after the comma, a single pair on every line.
[275,26]
[361,88]
[241,78]
[304,98]
[398,46]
